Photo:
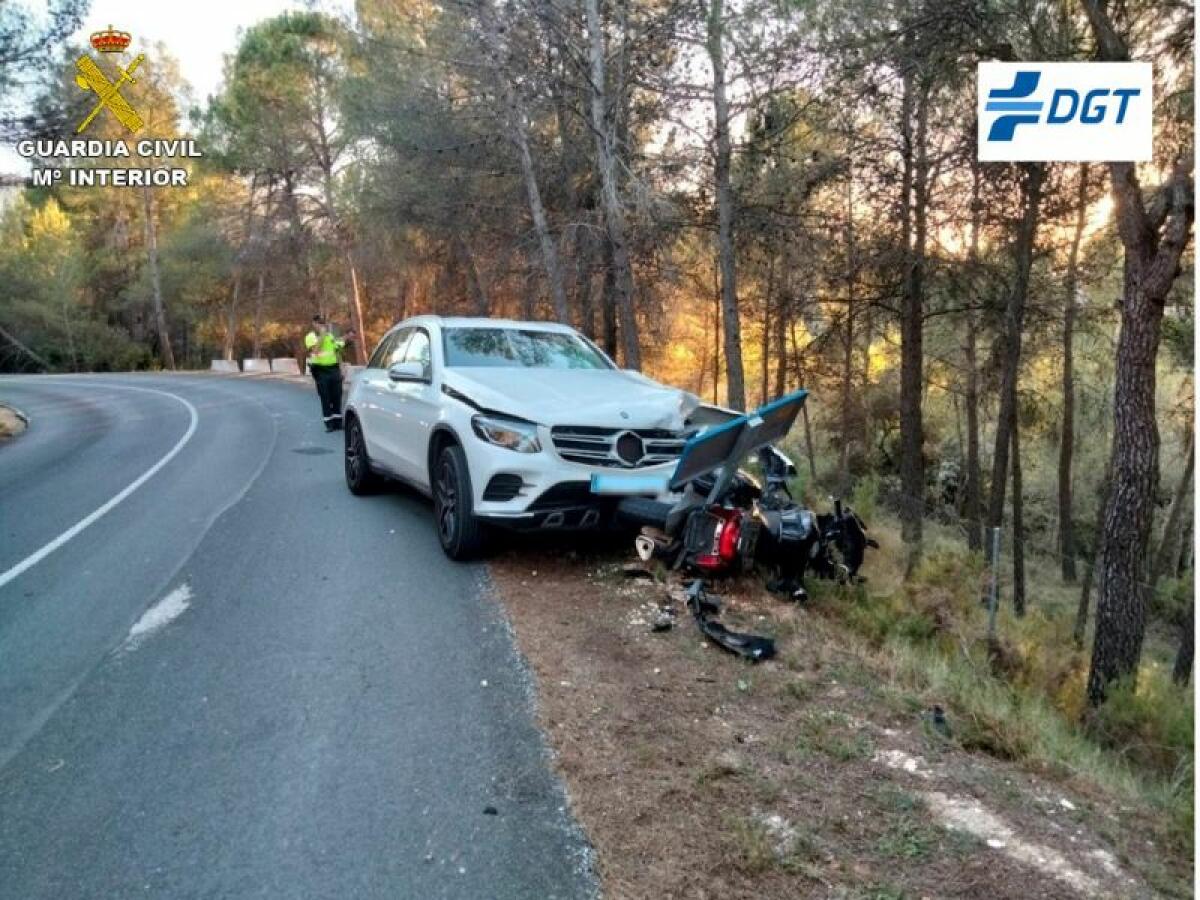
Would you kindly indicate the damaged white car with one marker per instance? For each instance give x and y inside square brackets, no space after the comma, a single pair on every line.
[504,422]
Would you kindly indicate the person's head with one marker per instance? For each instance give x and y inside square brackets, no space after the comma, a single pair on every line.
[319,325]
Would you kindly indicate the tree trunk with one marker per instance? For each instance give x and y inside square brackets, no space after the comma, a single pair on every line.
[160,312]
[356,315]
[848,336]
[584,249]
[256,351]
[1014,323]
[914,192]
[1121,607]
[402,299]
[808,443]
[343,242]
[735,375]
[781,326]
[973,487]
[1018,505]
[1089,573]
[1187,646]
[765,346]
[1149,273]
[1066,447]
[1186,547]
[529,294]
[550,260]
[231,318]
[1154,241]
[798,366]
[1168,547]
[516,122]
[479,297]
[609,308]
[64,305]
[301,246]
[716,328]
[603,129]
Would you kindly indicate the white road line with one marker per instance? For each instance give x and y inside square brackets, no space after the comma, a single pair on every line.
[36,557]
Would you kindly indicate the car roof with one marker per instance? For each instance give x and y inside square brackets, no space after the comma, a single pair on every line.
[484,322]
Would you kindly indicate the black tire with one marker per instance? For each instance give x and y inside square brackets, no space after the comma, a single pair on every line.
[460,532]
[360,477]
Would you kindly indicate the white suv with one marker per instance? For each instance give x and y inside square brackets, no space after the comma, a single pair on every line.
[505,422]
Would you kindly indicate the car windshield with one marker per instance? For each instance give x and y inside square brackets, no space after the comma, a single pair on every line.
[519,347]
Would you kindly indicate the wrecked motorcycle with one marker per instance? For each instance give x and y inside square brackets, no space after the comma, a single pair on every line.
[725,521]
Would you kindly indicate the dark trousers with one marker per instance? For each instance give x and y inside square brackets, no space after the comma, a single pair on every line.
[329,389]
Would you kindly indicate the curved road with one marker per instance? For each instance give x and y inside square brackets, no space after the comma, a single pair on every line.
[221,675]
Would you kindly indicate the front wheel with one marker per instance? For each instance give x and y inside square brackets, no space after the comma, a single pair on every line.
[460,532]
[360,478]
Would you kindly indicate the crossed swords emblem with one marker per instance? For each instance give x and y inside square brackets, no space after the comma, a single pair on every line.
[90,78]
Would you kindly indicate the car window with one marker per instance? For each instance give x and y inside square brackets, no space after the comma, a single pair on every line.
[396,351]
[418,351]
[390,349]
[376,360]
[520,347]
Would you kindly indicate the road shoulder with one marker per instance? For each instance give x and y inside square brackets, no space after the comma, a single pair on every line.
[697,774]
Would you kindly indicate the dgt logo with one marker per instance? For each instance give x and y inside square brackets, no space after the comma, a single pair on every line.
[1065,111]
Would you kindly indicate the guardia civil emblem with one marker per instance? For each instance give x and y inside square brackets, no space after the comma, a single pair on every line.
[108,93]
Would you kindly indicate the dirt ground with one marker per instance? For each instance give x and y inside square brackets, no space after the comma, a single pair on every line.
[699,775]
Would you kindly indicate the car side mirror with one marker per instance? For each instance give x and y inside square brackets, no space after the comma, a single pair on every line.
[407,371]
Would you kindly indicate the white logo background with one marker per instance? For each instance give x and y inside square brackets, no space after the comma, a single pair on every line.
[1074,141]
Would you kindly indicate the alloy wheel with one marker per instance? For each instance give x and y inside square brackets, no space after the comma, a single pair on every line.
[354,454]
[447,502]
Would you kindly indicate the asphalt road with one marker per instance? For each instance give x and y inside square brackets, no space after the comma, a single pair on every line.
[241,681]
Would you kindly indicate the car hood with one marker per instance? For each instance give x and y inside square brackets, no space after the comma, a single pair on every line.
[600,397]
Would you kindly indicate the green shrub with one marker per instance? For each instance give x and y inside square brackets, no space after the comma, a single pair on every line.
[1151,724]
[864,499]
[1022,698]
[1169,600]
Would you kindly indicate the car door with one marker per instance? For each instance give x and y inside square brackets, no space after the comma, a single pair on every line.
[418,408]
[379,410]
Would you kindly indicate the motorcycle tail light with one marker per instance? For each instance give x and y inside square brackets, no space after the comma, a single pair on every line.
[727,540]
[723,553]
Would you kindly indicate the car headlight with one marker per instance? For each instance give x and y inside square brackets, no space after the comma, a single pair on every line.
[510,433]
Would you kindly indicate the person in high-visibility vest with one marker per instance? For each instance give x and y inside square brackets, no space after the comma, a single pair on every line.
[324,357]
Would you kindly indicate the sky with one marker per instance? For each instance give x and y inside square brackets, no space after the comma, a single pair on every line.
[197,34]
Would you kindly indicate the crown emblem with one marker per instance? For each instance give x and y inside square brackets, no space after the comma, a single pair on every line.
[111,41]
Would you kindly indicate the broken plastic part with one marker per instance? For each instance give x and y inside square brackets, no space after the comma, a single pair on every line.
[748,646]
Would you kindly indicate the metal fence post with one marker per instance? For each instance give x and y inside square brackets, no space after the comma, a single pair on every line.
[994,587]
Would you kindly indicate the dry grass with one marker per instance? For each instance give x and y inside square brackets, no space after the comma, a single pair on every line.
[1025,699]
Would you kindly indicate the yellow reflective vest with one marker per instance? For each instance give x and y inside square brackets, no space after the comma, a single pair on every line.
[323,349]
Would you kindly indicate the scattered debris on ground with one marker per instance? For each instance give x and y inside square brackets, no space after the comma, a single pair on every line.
[698,774]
